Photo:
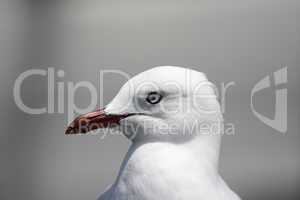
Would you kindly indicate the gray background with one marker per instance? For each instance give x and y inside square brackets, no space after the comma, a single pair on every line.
[233,40]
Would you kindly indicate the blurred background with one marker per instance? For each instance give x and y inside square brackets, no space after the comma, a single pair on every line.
[233,40]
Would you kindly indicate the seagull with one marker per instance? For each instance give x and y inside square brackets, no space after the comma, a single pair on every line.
[173,118]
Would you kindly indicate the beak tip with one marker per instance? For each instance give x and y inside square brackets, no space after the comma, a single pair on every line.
[69,131]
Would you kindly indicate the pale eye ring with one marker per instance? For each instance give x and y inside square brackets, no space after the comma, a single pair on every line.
[154,98]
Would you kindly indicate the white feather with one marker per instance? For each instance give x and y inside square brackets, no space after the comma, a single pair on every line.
[169,168]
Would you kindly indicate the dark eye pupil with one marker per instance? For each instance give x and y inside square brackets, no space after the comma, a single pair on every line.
[154,97]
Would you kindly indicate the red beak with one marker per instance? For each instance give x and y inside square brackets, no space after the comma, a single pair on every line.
[92,121]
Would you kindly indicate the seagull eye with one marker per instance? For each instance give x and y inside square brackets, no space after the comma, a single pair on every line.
[153,97]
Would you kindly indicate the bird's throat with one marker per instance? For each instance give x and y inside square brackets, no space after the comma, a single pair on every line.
[170,166]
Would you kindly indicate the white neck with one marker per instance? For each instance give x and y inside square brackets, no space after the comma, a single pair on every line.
[161,168]
[206,148]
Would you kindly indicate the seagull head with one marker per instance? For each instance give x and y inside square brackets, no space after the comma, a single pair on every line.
[165,103]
